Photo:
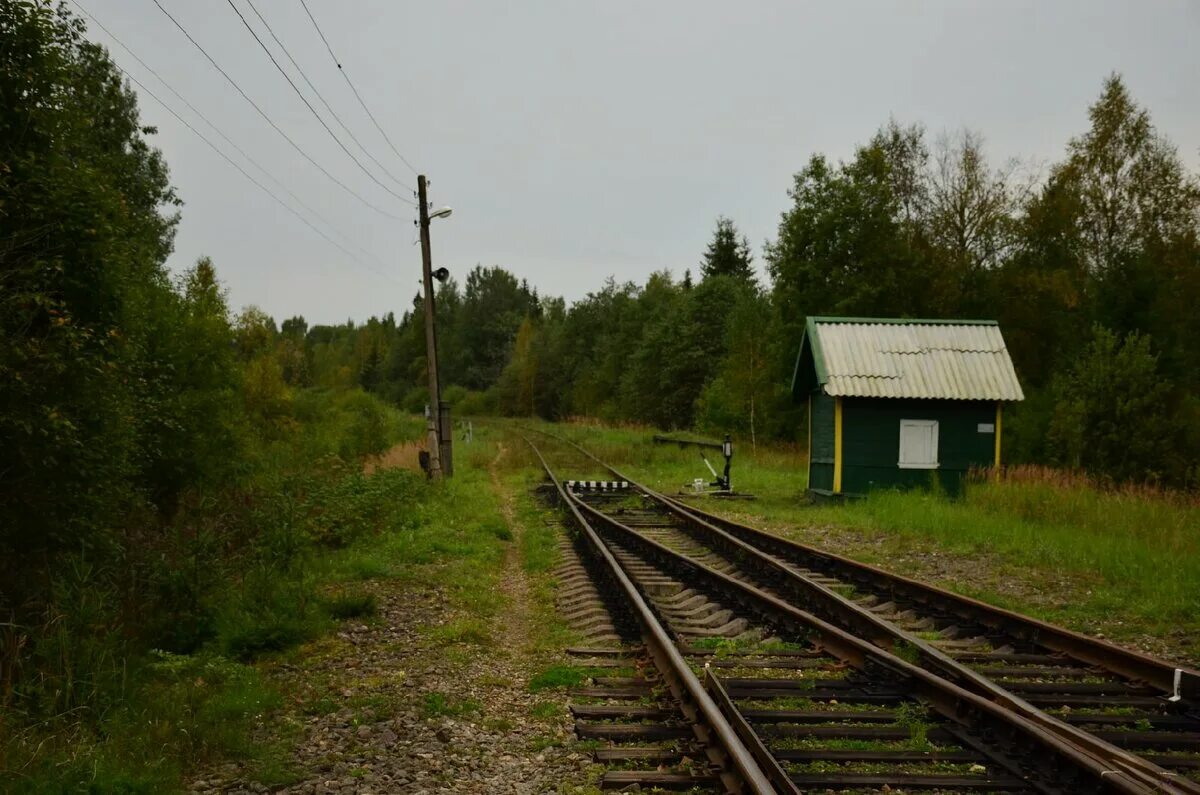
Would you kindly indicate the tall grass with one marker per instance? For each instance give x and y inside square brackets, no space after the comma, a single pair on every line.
[1140,556]
[88,704]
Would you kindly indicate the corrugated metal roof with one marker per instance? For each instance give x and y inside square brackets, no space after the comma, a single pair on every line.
[950,359]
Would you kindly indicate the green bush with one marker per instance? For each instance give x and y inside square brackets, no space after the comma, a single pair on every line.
[1112,413]
[476,404]
[368,430]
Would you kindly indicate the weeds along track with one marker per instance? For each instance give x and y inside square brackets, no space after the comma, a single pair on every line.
[1132,712]
[742,691]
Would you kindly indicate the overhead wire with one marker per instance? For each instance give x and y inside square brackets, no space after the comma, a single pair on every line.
[221,133]
[248,176]
[311,109]
[357,96]
[321,97]
[269,121]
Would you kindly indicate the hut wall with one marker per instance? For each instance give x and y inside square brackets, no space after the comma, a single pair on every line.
[871,442]
[821,461]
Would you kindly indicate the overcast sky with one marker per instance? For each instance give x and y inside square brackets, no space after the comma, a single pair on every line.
[581,140]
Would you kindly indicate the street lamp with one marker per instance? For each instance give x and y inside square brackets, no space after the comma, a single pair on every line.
[440,460]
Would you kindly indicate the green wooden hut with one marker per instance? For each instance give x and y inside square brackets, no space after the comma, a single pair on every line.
[899,402]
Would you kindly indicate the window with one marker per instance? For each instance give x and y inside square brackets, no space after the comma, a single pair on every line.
[918,444]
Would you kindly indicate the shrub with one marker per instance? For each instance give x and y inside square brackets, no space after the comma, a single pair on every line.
[368,428]
[476,404]
[1112,415]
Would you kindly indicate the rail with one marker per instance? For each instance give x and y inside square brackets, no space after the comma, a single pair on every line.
[745,542]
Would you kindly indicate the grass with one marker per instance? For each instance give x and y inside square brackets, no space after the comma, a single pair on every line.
[1125,562]
[436,704]
[557,677]
[244,576]
[198,707]
[467,630]
[352,605]
[1089,559]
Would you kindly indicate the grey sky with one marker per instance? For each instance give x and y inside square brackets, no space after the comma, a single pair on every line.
[581,140]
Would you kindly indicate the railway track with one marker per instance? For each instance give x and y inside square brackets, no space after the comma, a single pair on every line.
[1131,712]
[780,700]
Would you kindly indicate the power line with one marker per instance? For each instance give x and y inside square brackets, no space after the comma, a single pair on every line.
[221,133]
[268,120]
[313,110]
[247,175]
[357,96]
[324,102]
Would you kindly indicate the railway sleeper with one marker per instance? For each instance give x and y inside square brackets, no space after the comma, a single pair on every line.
[654,779]
[1021,750]
[943,783]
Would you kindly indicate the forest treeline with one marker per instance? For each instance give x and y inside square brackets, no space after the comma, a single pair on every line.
[1091,265]
[165,496]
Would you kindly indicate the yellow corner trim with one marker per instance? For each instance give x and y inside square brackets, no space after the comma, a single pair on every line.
[837,446]
[810,440]
[999,414]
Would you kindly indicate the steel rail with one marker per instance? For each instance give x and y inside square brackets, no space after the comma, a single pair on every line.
[740,770]
[746,732]
[1176,680]
[1076,768]
[846,612]
[1172,679]
[1184,683]
[838,608]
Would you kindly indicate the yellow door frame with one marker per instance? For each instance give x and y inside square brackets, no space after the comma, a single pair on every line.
[837,446]
[810,440]
[999,416]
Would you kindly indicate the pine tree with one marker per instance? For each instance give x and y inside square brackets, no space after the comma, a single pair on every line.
[726,255]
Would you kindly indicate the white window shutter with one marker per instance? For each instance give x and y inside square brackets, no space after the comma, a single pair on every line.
[918,444]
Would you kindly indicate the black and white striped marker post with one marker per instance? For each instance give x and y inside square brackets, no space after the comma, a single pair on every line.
[597,485]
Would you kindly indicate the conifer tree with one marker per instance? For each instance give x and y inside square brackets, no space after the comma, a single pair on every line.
[726,255]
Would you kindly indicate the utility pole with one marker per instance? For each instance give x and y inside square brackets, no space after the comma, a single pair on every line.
[435,435]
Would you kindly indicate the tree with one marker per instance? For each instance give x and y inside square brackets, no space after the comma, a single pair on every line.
[971,217]
[726,255]
[1131,185]
[682,341]
[493,305]
[294,352]
[369,373]
[87,221]
[852,243]
[517,386]
[200,434]
[1136,221]
[1112,412]
[1111,239]
[294,327]
[746,389]
[255,333]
